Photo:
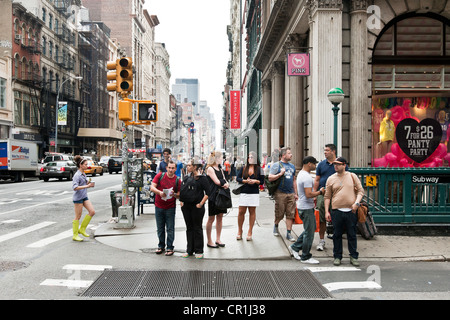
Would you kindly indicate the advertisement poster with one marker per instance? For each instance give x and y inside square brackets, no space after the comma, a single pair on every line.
[235,108]
[62,114]
[298,64]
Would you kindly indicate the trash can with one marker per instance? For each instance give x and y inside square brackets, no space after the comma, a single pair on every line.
[116,202]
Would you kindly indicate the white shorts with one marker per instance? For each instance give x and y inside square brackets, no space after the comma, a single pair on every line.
[249,200]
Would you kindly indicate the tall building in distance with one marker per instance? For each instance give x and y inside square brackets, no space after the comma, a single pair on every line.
[187,90]
[192,110]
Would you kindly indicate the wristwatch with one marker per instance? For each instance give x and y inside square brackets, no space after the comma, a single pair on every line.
[358,204]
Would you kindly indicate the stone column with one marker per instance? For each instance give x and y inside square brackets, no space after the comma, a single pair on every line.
[360,121]
[266,117]
[326,71]
[294,99]
[276,135]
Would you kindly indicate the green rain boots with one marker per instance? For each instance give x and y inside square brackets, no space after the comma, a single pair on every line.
[84,225]
[75,231]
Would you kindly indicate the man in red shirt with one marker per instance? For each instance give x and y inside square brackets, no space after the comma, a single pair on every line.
[166,186]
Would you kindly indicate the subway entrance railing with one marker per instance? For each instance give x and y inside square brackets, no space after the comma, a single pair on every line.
[407,195]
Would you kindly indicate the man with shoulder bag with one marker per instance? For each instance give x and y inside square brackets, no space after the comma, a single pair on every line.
[286,194]
[345,192]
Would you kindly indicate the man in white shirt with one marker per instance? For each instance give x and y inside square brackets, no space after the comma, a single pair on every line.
[305,206]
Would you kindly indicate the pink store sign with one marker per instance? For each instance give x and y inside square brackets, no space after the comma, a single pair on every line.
[298,64]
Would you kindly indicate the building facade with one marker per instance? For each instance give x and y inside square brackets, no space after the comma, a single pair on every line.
[383,54]
[133,29]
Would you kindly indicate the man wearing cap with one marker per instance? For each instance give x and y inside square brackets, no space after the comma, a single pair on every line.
[345,192]
[324,169]
[305,206]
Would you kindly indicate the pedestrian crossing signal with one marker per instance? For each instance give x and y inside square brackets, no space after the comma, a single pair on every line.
[148,111]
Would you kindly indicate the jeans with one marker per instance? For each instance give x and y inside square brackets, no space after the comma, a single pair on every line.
[341,219]
[165,220]
[305,240]
[193,217]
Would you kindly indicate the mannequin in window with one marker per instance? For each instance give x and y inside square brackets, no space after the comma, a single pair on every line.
[442,119]
[387,133]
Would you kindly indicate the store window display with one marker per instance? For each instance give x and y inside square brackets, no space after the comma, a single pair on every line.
[421,141]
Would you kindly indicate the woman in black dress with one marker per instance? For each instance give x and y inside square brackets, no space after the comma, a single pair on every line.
[217,180]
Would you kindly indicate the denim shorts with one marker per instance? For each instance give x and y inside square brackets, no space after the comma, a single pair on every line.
[81,201]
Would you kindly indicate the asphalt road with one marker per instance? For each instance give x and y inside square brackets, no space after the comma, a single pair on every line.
[40,261]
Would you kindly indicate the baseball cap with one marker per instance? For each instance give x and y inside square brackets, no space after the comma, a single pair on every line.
[309,159]
[340,160]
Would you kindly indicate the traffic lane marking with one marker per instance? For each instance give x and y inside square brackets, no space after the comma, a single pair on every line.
[86,267]
[327,269]
[67,283]
[333,286]
[49,240]
[21,232]
[55,201]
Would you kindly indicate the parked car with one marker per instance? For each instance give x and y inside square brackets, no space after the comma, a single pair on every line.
[115,164]
[57,157]
[58,169]
[93,168]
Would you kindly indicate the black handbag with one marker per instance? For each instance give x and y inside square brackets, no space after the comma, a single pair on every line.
[223,199]
[237,190]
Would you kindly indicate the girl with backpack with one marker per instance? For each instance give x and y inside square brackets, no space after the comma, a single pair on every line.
[194,192]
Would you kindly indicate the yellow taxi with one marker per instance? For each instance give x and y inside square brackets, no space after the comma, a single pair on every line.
[93,168]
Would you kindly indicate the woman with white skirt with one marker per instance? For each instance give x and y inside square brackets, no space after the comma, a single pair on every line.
[251,175]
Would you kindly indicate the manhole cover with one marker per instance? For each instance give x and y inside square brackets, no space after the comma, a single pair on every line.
[208,284]
[12,265]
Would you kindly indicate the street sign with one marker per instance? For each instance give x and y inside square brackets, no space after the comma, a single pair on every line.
[148,111]
[371,181]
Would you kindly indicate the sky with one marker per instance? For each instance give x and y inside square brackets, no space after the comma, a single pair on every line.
[195,35]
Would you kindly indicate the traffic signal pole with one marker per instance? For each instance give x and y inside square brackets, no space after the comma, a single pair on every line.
[122,73]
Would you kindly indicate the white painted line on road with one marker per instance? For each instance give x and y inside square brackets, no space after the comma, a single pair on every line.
[86,267]
[332,286]
[21,232]
[59,200]
[67,283]
[327,269]
[46,241]
[10,221]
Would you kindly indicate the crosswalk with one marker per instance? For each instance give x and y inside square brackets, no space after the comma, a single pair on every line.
[35,227]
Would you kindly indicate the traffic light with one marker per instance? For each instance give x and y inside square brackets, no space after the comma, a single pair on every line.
[125,110]
[111,76]
[122,76]
[148,111]
[125,75]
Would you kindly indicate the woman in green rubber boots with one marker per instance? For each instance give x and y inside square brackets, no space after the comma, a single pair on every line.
[80,184]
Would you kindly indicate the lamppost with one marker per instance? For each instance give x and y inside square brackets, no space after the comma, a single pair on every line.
[336,96]
[57,110]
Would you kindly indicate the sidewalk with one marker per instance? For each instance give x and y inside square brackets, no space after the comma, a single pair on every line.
[264,245]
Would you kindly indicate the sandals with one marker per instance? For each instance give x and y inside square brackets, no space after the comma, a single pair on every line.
[161,250]
[169,252]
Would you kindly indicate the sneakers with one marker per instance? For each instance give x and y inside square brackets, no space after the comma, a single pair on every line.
[337,262]
[289,237]
[294,253]
[321,245]
[276,233]
[310,261]
[354,262]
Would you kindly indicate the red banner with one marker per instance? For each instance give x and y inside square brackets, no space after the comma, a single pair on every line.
[235,109]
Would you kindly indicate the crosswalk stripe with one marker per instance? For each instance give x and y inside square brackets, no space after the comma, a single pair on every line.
[46,241]
[86,267]
[21,232]
[333,286]
[333,269]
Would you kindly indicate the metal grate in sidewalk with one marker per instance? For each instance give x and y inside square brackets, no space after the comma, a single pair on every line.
[274,284]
